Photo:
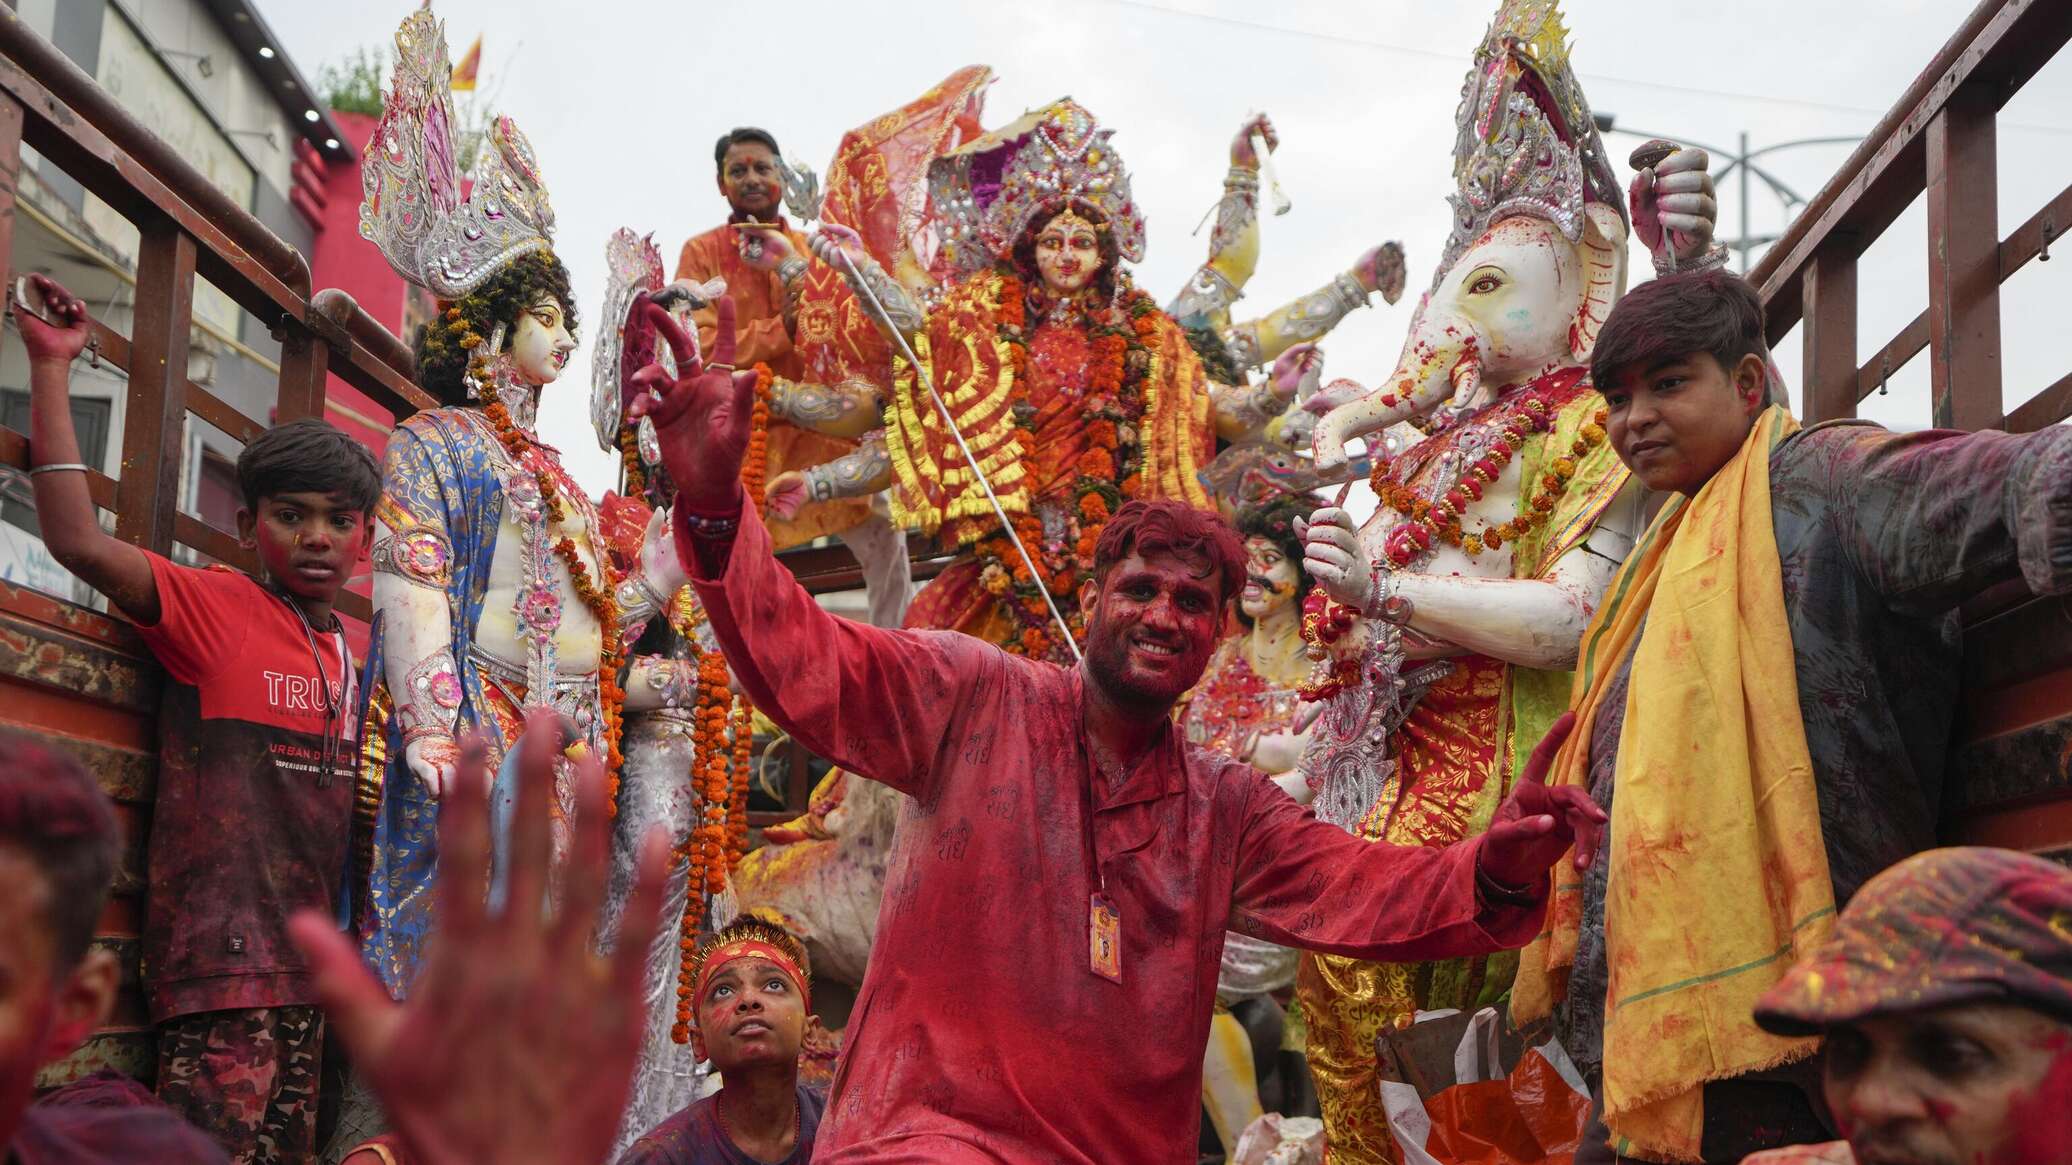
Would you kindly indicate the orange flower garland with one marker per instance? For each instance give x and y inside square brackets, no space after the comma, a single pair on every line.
[705,849]
[1118,340]
[598,600]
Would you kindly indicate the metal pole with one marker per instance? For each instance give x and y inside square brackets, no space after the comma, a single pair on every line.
[857,281]
[1745,245]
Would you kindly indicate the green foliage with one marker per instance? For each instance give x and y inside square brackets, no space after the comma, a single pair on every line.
[354,85]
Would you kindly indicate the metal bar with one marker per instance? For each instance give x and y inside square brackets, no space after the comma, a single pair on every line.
[305,371]
[189,530]
[368,356]
[1893,356]
[14,451]
[1829,350]
[2029,240]
[216,411]
[154,420]
[798,779]
[2001,44]
[10,179]
[1964,265]
[2044,409]
[118,179]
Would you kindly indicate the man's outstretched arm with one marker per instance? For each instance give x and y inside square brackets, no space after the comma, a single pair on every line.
[878,702]
[874,701]
[1304,883]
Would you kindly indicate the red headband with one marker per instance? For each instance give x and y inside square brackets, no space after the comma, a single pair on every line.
[749,948]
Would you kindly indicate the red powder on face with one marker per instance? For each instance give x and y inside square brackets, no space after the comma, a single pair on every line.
[2039,1123]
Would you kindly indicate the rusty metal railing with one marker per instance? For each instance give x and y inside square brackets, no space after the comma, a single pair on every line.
[2011,778]
[187,229]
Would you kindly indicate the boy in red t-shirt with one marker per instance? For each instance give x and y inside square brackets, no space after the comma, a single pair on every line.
[255,777]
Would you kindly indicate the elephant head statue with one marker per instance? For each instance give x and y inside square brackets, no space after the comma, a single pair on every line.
[1520,301]
[1538,249]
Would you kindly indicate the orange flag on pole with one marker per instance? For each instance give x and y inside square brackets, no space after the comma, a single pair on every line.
[464,73]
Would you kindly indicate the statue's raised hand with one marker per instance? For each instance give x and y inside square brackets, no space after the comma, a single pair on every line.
[1298,366]
[701,414]
[833,243]
[1673,202]
[787,494]
[1381,269]
[1242,153]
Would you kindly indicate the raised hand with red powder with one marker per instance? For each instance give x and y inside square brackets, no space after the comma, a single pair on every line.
[1538,822]
[517,1044]
[701,414]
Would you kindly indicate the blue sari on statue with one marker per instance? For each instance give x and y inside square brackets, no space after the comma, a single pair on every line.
[441,473]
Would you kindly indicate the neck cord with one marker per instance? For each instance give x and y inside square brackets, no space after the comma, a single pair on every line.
[334,702]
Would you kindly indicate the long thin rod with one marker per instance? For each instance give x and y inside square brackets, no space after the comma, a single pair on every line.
[857,281]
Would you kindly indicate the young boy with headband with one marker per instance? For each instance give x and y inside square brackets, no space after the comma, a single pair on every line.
[752,1002]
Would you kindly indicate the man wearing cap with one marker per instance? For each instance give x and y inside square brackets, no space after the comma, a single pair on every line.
[1945,996]
[752,997]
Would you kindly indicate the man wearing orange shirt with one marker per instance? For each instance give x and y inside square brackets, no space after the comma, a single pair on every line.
[763,270]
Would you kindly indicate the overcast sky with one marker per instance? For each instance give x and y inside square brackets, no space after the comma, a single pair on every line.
[623,98]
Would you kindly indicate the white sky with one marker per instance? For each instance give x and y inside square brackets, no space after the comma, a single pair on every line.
[623,98]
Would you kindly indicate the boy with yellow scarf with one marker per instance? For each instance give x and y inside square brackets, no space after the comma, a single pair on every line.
[1771,686]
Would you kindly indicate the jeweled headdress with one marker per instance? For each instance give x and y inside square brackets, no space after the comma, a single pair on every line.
[986,193]
[1526,143]
[413,208]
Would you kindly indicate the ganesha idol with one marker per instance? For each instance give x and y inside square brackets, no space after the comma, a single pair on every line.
[1454,613]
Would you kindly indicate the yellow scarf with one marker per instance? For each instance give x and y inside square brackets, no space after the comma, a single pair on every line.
[1713,798]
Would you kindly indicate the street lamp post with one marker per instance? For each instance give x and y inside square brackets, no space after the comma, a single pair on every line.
[1743,160]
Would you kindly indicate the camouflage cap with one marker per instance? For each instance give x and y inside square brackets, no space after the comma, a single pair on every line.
[1962,925]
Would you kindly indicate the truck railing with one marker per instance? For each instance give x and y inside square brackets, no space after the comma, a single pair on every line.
[187,228]
[2010,782]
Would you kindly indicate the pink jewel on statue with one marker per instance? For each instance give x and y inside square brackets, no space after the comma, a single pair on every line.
[446,690]
[427,552]
[540,608]
[523,492]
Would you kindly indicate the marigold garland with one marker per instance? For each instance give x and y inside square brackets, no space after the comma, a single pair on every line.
[597,600]
[704,851]
[1430,520]
[629,459]
[1118,340]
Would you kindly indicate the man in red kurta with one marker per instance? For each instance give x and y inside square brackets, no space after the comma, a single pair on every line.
[1047,951]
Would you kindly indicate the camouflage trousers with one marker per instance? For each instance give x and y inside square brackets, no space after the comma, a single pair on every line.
[247,1077]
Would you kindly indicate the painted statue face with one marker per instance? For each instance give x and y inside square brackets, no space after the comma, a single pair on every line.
[1517,288]
[1068,253]
[1677,423]
[1271,579]
[1154,623]
[540,347]
[1969,1084]
[751,1014]
[749,179]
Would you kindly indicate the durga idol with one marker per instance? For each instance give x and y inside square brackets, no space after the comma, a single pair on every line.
[1072,389]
